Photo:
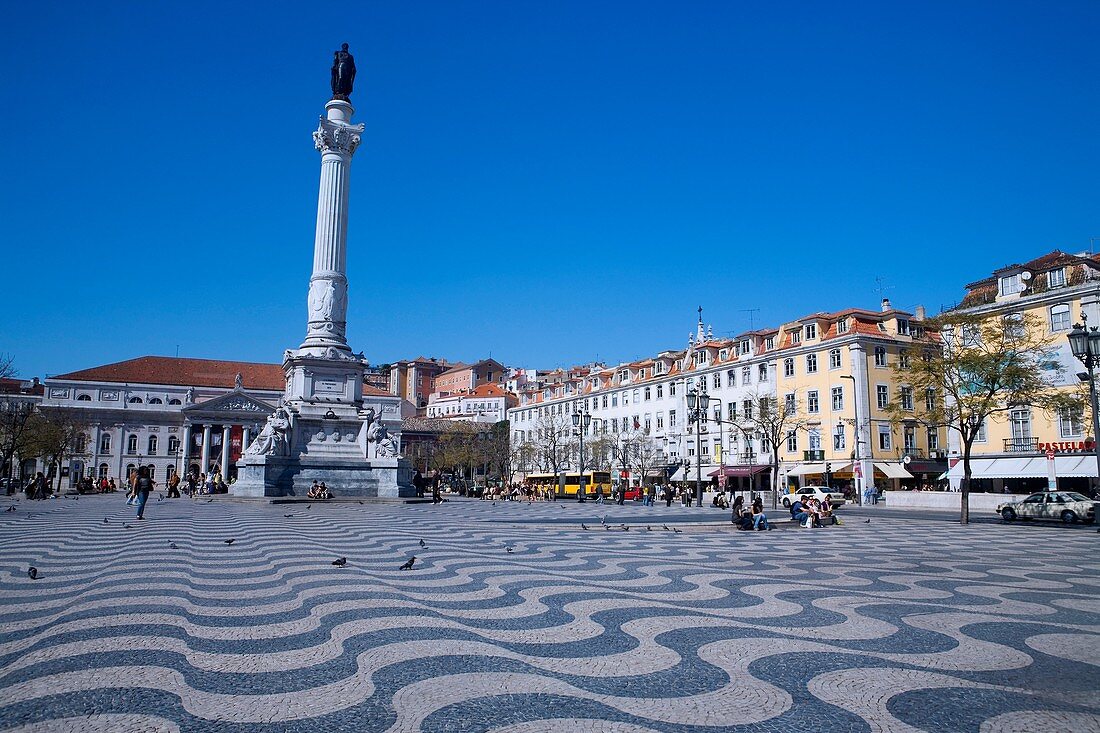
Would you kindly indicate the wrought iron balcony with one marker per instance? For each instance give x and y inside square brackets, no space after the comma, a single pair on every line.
[1021,445]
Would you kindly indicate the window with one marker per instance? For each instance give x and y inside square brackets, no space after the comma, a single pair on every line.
[647,423]
[982,435]
[135,401]
[81,443]
[672,389]
[1059,318]
[880,356]
[731,412]
[646,394]
[909,439]
[131,445]
[83,398]
[1056,278]
[746,407]
[1071,423]
[744,347]
[672,418]
[615,424]
[903,327]
[882,395]
[792,442]
[637,394]
[174,401]
[813,403]
[763,377]
[660,391]
[603,402]
[884,437]
[1011,284]
[153,442]
[746,376]
[1014,326]
[789,403]
[933,439]
[716,380]
[156,401]
[173,445]
[842,325]
[834,358]
[839,438]
[788,367]
[815,439]
[796,336]
[660,420]
[930,399]
[837,394]
[906,394]
[769,343]
[904,359]
[811,330]
[811,363]
[615,400]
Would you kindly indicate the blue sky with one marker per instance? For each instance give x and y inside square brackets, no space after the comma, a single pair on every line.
[545,182]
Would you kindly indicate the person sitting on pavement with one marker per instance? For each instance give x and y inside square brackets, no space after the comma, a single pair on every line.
[740,517]
[759,518]
[800,514]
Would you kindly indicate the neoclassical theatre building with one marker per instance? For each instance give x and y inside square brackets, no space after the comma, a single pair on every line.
[168,413]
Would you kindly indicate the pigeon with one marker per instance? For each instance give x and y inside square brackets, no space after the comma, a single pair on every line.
[10,508]
[288,516]
[105,520]
[209,500]
[866,521]
[309,506]
[666,527]
[677,530]
[561,506]
[32,572]
[648,528]
[603,519]
[423,543]
[606,528]
[508,549]
[360,502]
[229,542]
[584,526]
[127,526]
[340,562]
[173,545]
[408,563]
[624,527]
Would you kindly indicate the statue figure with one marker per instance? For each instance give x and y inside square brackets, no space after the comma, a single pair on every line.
[238,381]
[343,73]
[272,439]
[385,445]
[190,396]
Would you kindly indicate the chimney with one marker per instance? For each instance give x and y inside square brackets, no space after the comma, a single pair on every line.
[920,313]
[885,304]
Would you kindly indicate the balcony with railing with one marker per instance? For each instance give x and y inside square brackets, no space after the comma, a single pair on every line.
[1021,445]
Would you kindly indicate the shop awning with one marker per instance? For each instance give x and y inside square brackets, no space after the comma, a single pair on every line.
[1034,467]
[892,469]
[678,474]
[743,471]
[805,469]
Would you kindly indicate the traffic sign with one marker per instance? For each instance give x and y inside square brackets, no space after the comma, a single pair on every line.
[1050,455]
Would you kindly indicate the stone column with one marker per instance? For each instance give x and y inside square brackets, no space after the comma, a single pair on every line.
[185,448]
[226,430]
[204,466]
[246,438]
[336,139]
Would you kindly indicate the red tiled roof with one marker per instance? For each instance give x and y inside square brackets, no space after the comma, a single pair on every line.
[184,372]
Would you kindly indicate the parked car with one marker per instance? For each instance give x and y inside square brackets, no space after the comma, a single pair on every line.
[816,492]
[1067,506]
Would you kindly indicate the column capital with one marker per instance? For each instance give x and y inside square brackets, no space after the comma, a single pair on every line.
[337,137]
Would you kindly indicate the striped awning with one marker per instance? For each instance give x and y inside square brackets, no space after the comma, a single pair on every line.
[1028,467]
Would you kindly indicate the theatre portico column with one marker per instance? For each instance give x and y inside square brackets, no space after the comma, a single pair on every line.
[185,449]
[226,429]
[246,437]
[204,466]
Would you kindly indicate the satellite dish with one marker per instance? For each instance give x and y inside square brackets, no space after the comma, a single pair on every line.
[1025,275]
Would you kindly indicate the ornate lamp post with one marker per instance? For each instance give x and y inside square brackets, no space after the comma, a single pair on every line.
[581,421]
[697,401]
[1084,342]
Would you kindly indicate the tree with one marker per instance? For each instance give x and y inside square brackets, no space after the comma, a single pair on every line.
[15,412]
[498,450]
[53,434]
[599,452]
[643,453]
[457,450]
[988,364]
[768,419]
[552,436]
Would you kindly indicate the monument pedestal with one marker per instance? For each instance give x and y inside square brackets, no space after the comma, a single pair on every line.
[270,476]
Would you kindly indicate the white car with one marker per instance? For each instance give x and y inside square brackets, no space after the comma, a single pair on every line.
[816,492]
[1067,506]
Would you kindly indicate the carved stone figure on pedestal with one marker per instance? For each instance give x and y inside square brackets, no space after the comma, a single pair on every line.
[238,381]
[272,439]
[189,398]
[343,73]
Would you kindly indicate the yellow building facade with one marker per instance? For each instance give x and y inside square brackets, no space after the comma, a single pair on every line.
[1018,449]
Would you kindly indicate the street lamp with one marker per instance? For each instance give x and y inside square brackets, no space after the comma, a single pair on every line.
[581,421]
[861,480]
[1084,342]
[697,401]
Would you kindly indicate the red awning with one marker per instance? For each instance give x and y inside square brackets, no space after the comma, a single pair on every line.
[738,471]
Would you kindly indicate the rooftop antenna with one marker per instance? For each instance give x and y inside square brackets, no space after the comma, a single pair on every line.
[882,287]
[1092,241]
[750,311]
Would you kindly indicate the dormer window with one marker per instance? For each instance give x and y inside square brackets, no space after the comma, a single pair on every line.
[882,326]
[1056,278]
[903,327]
[624,375]
[769,343]
[842,325]
[659,367]
[796,337]
[724,354]
[1011,284]
[811,330]
[744,347]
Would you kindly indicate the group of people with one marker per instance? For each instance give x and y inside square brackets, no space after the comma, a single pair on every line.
[752,518]
[421,485]
[318,491]
[810,512]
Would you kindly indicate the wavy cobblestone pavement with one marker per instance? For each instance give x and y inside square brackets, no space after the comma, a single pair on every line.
[896,625]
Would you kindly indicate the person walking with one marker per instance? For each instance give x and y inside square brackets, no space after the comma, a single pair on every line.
[142,486]
[174,487]
[37,489]
[131,494]
[418,483]
[437,498]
